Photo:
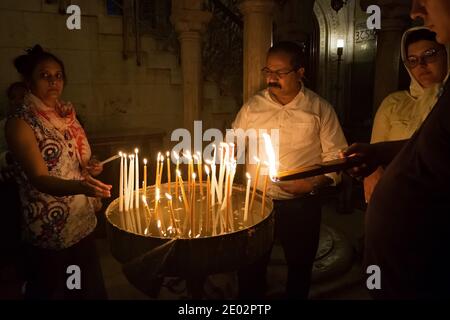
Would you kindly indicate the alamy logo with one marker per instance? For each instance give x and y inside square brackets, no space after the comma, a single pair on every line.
[374,21]
[74,280]
[74,20]
[374,280]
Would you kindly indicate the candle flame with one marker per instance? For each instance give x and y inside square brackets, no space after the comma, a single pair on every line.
[207,170]
[167,154]
[178,173]
[159,224]
[158,156]
[144,200]
[145,161]
[162,158]
[146,231]
[194,175]
[195,157]
[136,150]
[271,157]
[157,194]
[120,153]
[248,176]
[176,156]
[187,154]
[168,196]
[256,159]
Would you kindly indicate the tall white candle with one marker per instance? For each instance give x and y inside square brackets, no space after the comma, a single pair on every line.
[247,196]
[121,183]
[221,171]
[136,181]
[125,181]
[145,176]
[168,172]
[131,181]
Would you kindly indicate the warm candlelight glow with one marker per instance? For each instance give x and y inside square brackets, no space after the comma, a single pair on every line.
[121,183]
[168,171]
[145,175]
[271,156]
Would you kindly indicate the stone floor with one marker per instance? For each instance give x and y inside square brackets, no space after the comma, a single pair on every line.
[337,276]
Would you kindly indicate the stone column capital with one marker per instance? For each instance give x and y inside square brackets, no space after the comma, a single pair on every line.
[257,6]
[190,20]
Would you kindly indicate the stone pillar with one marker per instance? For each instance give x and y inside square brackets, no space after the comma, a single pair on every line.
[258,17]
[190,22]
[394,21]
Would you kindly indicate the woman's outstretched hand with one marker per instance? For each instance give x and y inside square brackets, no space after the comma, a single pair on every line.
[95,188]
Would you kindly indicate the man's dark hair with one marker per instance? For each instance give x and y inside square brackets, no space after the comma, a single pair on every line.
[26,63]
[292,49]
[418,35]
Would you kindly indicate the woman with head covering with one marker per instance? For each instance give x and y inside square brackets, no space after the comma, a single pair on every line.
[401,113]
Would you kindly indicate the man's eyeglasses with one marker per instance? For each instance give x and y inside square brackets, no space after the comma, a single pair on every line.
[427,57]
[278,73]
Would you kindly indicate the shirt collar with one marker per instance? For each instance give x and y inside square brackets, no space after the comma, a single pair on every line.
[299,97]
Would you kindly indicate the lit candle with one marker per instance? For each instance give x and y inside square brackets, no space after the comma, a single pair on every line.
[176,176]
[168,171]
[157,169]
[188,156]
[193,204]
[136,151]
[125,181]
[264,189]
[161,170]
[223,157]
[200,172]
[258,166]
[208,200]
[213,177]
[131,181]
[121,183]
[145,176]
[247,196]
[114,157]
[183,194]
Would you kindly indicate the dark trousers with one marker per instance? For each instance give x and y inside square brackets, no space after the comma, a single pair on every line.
[297,227]
[46,272]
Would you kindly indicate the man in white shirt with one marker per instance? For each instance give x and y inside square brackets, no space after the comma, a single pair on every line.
[309,132]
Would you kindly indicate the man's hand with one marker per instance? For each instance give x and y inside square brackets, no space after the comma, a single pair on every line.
[367,153]
[305,186]
[297,187]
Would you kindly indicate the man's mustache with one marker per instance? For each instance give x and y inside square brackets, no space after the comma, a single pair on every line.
[274,85]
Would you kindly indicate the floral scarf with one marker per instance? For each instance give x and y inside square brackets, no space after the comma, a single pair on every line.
[63,118]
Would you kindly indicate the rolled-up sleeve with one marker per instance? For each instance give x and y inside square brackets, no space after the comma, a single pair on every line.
[332,137]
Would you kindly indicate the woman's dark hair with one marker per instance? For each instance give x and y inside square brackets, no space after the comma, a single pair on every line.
[26,63]
[293,50]
[418,35]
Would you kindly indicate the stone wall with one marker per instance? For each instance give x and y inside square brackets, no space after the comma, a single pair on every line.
[111,94]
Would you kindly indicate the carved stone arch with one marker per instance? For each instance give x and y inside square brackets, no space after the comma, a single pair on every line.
[334,25]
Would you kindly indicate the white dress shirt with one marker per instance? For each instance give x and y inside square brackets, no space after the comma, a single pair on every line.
[309,132]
